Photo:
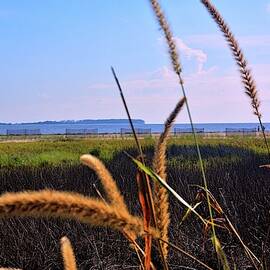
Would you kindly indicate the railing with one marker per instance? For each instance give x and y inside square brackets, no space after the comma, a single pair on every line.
[241,131]
[84,131]
[23,132]
[183,131]
[139,131]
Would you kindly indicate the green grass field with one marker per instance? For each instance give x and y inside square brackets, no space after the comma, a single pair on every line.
[55,152]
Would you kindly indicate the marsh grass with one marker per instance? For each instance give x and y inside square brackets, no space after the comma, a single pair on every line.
[234,175]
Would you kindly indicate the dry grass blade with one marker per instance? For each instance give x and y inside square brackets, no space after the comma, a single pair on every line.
[249,253]
[138,249]
[107,180]
[214,203]
[187,254]
[230,226]
[159,165]
[221,254]
[68,254]
[146,218]
[267,166]
[68,205]
[246,75]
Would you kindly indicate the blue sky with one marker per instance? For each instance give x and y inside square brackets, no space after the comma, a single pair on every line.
[56,58]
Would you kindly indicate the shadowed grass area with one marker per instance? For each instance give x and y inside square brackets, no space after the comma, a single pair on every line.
[233,173]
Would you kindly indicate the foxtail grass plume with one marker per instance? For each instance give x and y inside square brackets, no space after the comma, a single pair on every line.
[247,79]
[68,254]
[168,35]
[67,205]
[9,268]
[107,180]
[159,165]
[177,68]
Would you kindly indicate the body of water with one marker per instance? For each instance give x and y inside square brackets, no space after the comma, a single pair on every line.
[116,128]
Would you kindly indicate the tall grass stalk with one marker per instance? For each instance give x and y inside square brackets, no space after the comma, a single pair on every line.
[146,183]
[127,112]
[161,200]
[246,74]
[177,68]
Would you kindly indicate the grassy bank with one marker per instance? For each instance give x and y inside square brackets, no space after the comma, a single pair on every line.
[233,173]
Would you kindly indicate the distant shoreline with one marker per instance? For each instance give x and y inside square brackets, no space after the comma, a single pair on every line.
[84,121]
[119,122]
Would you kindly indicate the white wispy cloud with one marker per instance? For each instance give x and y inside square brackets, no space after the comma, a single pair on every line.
[189,52]
[215,95]
[268,7]
[218,41]
[198,54]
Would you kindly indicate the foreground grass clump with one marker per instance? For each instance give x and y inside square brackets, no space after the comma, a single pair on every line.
[234,176]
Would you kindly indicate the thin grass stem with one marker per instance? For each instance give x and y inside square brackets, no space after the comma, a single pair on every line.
[187,254]
[199,156]
[146,182]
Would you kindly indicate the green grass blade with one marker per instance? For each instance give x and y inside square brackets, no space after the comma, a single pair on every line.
[188,212]
[221,254]
[156,177]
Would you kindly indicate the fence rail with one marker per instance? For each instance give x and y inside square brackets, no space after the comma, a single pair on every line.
[85,131]
[23,132]
[139,131]
[179,131]
[240,131]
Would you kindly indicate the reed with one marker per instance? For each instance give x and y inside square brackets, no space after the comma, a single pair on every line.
[245,72]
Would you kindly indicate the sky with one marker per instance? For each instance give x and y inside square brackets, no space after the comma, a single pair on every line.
[56,58]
